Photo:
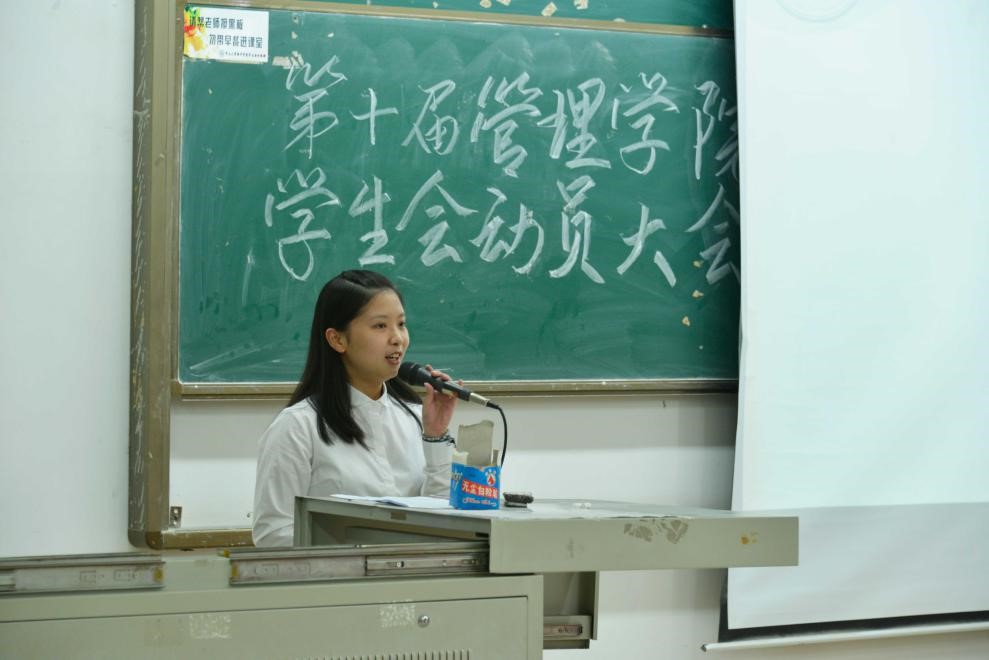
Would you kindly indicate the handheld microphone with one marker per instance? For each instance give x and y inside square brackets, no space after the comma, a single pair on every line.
[415,374]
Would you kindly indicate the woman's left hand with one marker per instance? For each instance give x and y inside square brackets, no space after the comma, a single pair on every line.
[437,407]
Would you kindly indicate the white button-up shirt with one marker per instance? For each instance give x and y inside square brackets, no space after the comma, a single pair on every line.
[294,460]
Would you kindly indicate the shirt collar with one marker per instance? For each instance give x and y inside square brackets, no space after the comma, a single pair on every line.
[360,400]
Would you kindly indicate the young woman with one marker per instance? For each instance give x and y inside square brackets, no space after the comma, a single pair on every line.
[352,427]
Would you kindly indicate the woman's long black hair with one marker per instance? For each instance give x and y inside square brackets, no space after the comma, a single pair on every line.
[324,379]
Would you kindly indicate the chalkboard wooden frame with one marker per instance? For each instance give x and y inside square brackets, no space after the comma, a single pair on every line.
[155,261]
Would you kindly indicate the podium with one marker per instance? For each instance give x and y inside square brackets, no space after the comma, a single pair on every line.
[567,542]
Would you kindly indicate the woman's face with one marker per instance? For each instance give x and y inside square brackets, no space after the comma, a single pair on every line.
[373,344]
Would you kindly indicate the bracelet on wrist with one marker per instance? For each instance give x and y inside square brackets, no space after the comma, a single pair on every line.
[445,437]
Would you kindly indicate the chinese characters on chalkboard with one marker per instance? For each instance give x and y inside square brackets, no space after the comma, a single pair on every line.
[520,128]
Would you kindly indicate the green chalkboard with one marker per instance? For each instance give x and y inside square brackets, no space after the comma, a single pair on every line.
[555,203]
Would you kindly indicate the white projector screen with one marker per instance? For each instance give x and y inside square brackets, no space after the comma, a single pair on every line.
[864,394]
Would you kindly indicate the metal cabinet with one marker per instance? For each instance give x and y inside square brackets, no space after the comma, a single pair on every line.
[263,605]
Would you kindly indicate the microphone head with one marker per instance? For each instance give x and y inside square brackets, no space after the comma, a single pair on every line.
[412,373]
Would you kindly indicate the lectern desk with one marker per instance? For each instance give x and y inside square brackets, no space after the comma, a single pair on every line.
[568,542]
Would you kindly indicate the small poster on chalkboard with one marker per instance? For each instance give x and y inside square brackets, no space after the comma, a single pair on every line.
[228,35]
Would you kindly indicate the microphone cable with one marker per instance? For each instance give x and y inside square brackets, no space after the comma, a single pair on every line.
[504,425]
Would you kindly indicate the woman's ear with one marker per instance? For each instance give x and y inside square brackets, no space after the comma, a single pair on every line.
[336,340]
